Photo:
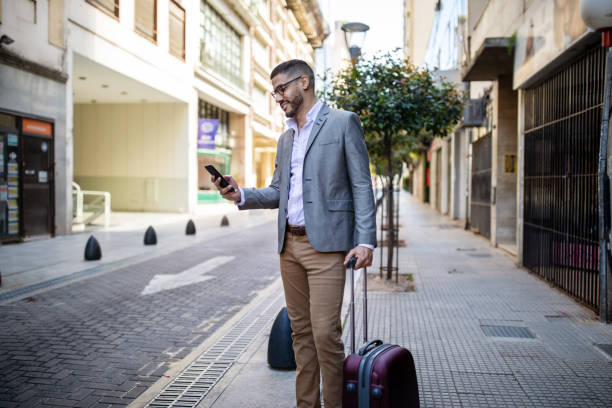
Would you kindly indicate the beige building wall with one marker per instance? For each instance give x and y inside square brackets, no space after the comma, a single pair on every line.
[137,152]
[418,20]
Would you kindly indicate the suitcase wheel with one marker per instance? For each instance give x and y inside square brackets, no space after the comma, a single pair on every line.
[377,393]
[351,387]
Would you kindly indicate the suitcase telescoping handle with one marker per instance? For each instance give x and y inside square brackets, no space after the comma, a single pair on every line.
[351,265]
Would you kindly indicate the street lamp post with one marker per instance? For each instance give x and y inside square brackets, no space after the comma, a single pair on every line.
[597,14]
[354,37]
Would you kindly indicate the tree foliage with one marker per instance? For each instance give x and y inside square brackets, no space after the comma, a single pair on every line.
[400,106]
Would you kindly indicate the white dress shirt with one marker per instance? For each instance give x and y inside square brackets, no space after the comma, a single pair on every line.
[295,205]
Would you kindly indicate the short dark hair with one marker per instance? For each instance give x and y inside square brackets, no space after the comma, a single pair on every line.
[294,67]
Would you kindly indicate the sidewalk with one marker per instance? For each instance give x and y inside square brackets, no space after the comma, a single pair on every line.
[482,331]
[36,265]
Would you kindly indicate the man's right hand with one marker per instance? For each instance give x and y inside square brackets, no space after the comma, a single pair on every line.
[225,191]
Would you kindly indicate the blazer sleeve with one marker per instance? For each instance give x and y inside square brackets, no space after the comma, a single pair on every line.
[358,168]
[267,197]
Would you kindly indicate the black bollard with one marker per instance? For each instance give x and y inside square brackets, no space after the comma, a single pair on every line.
[225,221]
[93,252]
[280,344]
[150,238]
[190,230]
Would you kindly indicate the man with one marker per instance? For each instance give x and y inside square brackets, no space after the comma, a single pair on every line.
[323,190]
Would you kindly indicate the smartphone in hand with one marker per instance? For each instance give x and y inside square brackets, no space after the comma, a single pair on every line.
[215,173]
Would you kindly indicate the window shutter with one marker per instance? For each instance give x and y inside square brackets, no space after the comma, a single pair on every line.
[177,30]
[146,18]
[112,6]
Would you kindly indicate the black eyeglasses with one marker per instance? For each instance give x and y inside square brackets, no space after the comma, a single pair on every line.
[280,90]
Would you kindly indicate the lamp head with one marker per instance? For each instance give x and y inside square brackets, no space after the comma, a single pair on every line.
[354,36]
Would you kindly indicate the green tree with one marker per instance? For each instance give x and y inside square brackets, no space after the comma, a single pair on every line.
[402,108]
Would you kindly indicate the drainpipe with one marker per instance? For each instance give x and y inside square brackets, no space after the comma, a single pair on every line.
[603,200]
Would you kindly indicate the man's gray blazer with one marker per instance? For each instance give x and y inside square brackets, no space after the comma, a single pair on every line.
[339,207]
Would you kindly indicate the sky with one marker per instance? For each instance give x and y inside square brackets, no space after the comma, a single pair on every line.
[383,16]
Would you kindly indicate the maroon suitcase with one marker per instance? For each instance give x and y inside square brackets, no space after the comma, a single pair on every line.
[379,375]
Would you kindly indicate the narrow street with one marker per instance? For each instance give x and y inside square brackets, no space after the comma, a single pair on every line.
[104,340]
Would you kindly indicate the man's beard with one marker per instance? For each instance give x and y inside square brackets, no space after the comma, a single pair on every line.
[294,105]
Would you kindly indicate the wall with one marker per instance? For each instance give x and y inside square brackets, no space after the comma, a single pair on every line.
[137,152]
[418,179]
[28,23]
[505,143]
[500,18]
[459,174]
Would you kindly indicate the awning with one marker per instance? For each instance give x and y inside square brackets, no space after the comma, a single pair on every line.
[493,59]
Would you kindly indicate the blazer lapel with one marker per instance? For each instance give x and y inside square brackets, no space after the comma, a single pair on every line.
[286,154]
[319,121]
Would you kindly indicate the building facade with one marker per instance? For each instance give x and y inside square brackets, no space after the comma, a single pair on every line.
[534,74]
[135,97]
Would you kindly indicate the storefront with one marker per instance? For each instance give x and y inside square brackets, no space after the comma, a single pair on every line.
[26,177]
[213,148]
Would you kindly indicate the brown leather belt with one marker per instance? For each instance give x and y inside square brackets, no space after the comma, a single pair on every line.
[298,230]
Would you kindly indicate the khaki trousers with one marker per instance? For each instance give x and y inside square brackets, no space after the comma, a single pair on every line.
[314,287]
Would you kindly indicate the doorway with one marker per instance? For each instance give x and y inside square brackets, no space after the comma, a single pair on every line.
[37,181]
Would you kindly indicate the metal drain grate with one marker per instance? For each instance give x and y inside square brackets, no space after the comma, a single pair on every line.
[507,331]
[194,383]
[475,255]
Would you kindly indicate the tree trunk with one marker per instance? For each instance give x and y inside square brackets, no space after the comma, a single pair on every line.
[390,218]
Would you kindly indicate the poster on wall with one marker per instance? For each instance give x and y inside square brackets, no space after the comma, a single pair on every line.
[13,169]
[549,28]
[3,192]
[207,129]
[13,192]
[12,204]
[13,140]
[13,216]
[1,158]
[13,228]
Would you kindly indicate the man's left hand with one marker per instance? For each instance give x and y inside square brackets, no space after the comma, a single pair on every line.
[363,255]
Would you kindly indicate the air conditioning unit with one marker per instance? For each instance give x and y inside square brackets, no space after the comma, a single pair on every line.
[474,113]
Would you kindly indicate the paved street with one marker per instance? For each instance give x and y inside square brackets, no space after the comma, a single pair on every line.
[102,342]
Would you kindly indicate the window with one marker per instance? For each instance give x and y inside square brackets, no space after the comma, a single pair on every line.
[261,52]
[209,111]
[177,30]
[110,6]
[220,45]
[145,18]
[261,100]
[263,8]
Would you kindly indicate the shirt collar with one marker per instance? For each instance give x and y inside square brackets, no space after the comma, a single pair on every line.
[310,116]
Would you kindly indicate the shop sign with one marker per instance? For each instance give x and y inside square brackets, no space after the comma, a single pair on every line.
[549,28]
[207,129]
[36,126]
